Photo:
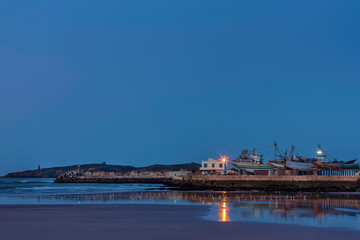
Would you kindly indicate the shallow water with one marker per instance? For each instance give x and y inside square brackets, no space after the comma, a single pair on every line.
[44,191]
[311,209]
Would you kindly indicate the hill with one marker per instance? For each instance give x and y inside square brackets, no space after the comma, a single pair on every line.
[53,172]
[174,167]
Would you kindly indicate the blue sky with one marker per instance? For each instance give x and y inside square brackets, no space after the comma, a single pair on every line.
[143,82]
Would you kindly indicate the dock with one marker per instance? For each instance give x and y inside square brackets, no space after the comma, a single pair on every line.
[310,183]
[304,183]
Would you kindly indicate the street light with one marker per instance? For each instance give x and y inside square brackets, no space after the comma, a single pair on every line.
[223,159]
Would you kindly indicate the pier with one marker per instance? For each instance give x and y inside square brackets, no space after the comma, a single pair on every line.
[306,183]
[311,183]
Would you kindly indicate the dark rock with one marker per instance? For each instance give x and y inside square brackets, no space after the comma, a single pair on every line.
[57,171]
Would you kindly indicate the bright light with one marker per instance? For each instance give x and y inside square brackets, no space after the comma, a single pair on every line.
[223,158]
[319,152]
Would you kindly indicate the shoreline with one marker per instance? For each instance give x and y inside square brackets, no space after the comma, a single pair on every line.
[57,222]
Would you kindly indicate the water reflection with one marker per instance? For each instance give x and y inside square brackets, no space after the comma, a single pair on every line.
[322,210]
[224,212]
[314,209]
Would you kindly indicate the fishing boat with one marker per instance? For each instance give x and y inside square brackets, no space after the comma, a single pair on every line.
[347,165]
[319,162]
[293,162]
[351,164]
[279,164]
[344,162]
[298,162]
[334,164]
[250,168]
[327,166]
[299,165]
[251,163]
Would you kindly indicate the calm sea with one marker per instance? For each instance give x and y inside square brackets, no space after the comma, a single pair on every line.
[311,209]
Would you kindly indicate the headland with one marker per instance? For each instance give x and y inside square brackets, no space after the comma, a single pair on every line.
[54,172]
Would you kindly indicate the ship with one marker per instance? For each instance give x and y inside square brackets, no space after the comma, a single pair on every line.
[298,162]
[346,164]
[292,162]
[250,163]
[279,164]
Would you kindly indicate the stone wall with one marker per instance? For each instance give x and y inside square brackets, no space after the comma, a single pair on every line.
[120,177]
[185,181]
[273,183]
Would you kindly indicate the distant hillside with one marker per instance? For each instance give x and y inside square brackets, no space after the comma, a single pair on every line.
[174,167]
[56,171]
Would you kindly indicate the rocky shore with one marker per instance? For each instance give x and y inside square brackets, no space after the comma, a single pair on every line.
[54,172]
[161,177]
[67,179]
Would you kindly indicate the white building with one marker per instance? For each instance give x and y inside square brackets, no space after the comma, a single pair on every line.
[212,165]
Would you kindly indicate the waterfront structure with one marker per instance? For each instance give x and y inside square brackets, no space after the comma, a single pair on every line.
[212,165]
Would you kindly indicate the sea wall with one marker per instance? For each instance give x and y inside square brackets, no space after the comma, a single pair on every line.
[186,181]
[270,183]
[164,177]
[62,179]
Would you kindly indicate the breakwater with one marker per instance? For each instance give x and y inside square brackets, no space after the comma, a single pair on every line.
[115,177]
[62,179]
[309,183]
[186,181]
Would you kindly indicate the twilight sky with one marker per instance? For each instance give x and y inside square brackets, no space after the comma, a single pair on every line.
[142,82]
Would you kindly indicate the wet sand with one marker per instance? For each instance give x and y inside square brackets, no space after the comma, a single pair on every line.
[97,222]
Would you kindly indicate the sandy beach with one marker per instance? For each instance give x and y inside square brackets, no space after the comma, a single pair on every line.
[95,222]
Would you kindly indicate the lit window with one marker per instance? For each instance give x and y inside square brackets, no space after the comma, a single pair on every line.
[205,165]
[220,165]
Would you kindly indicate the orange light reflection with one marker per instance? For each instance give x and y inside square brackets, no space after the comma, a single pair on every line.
[224,212]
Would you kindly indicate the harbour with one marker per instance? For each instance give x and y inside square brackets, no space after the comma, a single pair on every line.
[315,183]
[179,120]
[247,172]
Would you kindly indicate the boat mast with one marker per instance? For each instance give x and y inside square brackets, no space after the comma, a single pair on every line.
[291,153]
[275,145]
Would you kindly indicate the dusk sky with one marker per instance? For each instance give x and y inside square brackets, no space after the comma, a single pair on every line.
[145,82]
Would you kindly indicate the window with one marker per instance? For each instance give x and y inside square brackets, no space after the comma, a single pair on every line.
[205,165]
[213,165]
[220,165]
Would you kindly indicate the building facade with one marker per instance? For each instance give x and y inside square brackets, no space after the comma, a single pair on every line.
[212,165]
